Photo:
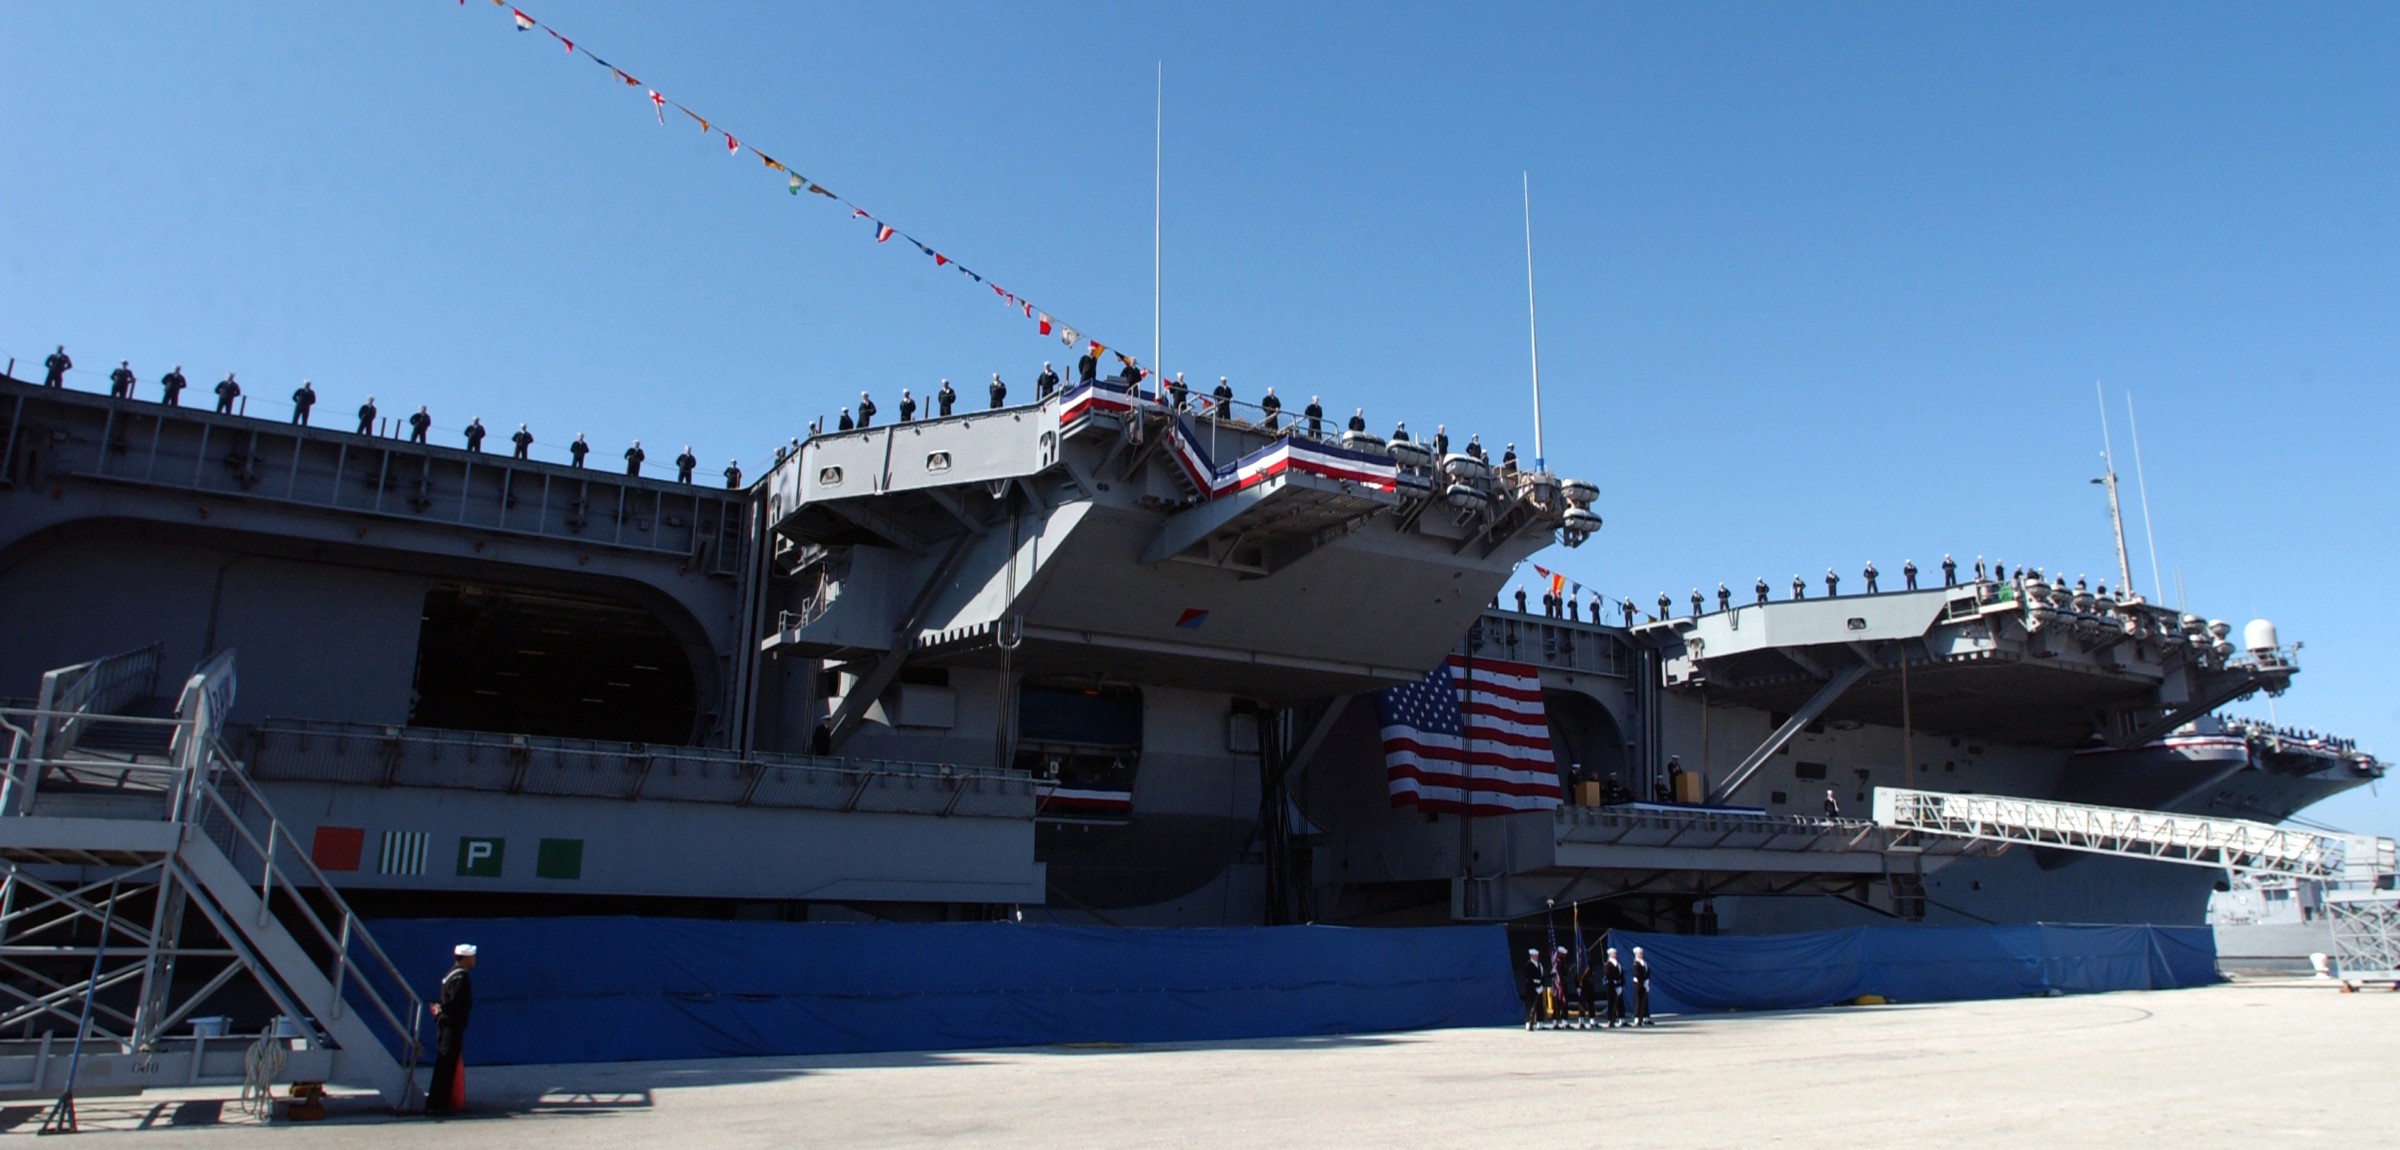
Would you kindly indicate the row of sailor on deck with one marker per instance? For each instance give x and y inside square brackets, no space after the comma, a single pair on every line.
[121,383]
[1557,606]
[1219,405]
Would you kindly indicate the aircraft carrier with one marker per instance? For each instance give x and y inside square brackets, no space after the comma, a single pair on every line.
[1096,658]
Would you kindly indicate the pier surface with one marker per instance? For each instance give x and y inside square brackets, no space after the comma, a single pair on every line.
[2252,1063]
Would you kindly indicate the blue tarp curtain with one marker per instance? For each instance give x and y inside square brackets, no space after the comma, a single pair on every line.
[1915,964]
[615,989]
[621,989]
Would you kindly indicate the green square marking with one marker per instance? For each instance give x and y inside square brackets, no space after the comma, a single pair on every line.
[480,858]
[559,858]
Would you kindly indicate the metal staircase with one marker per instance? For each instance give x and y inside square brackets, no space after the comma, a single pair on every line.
[2359,871]
[144,875]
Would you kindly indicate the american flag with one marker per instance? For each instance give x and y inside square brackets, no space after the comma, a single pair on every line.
[1430,728]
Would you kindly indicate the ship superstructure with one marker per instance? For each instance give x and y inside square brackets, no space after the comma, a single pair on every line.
[1099,657]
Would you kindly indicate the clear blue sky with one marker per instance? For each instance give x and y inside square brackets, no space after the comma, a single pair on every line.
[1819,284]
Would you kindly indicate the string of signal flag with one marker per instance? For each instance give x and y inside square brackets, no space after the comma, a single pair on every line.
[801,186]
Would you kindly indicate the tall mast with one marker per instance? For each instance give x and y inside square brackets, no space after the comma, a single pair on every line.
[1158,184]
[2143,485]
[2116,515]
[1532,333]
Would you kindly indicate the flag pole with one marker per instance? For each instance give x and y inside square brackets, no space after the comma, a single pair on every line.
[1532,335]
[1466,782]
[1158,184]
[2142,484]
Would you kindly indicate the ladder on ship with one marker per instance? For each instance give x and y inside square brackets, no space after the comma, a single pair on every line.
[145,873]
[2359,872]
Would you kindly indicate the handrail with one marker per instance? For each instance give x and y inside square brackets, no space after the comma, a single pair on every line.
[277,834]
[498,742]
[85,689]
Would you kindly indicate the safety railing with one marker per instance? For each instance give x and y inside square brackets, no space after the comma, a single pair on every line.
[1587,647]
[31,768]
[365,754]
[71,696]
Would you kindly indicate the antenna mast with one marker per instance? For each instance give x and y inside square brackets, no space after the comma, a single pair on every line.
[2143,485]
[1158,184]
[2116,516]
[1532,334]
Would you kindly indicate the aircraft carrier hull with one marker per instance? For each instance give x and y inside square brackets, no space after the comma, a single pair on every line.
[1091,659]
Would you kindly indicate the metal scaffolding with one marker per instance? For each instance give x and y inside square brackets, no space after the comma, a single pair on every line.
[141,873]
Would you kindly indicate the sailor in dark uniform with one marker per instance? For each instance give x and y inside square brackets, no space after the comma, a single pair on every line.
[634,456]
[1475,449]
[1696,602]
[227,392]
[1663,604]
[1044,384]
[120,381]
[1833,584]
[1520,600]
[845,423]
[684,464]
[1400,432]
[1224,397]
[366,417]
[1627,604]
[578,449]
[1725,597]
[1908,572]
[866,410]
[1358,420]
[302,400]
[54,369]
[1532,988]
[1639,979]
[733,475]
[1441,440]
[1833,806]
[999,392]
[948,395]
[1870,574]
[1271,407]
[1799,587]
[1316,417]
[1179,393]
[1762,589]
[1596,603]
[1979,568]
[1087,369]
[1508,460]
[451,1010]
[1573,605]
[908,405]
[419,424]
[1612,984]
[475,434]
[172,384]
[1949,571]
[524,441]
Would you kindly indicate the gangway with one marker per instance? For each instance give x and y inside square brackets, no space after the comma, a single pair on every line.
[142,872]
[2358,871]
